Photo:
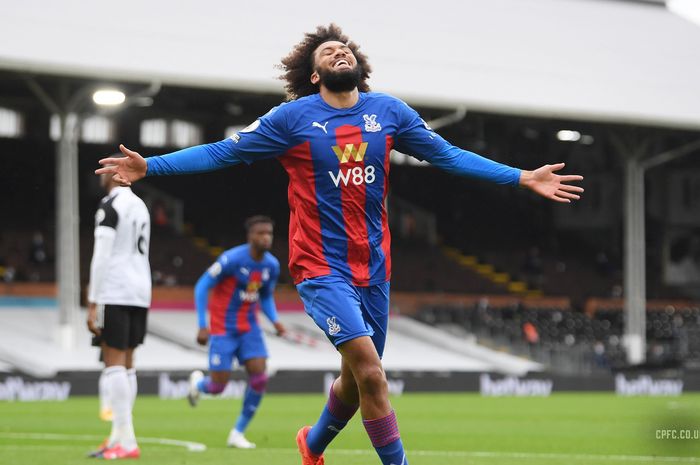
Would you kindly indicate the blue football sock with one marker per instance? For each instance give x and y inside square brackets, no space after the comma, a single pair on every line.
[251,400]
[392,453]
[324,431]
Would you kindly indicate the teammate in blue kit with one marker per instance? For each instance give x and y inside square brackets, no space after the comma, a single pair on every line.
[239,279]
[334,139]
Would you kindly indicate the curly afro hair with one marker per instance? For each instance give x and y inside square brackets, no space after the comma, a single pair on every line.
[299,64]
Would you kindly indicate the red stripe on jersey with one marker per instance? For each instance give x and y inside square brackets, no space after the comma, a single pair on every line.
[306,258]
[218,304]
[353,197]
[386,234]
[247,300]
[242,322]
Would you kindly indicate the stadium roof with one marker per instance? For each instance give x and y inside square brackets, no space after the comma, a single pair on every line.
[599,60]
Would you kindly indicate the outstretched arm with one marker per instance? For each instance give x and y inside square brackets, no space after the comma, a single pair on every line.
[267,137]
[552,186]
[543,181]
[197,159]
[419,140]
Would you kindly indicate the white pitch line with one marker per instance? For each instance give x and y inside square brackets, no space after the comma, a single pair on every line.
[199,447]
[511,455]
[189,445]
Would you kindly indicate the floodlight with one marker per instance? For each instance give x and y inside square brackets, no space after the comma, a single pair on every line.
[109,97]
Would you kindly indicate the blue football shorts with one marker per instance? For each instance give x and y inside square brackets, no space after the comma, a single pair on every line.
[223,348]
[345,312]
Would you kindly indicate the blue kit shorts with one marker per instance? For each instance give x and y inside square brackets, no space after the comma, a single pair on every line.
[223,348]
[344,311]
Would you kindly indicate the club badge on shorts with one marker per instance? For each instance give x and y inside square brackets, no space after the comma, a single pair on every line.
[333,327]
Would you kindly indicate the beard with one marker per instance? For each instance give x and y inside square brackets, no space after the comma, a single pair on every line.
[341,81]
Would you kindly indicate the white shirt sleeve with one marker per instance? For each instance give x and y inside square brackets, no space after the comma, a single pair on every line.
[104,241]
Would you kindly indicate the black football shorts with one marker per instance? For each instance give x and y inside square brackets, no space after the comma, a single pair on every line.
[124,326]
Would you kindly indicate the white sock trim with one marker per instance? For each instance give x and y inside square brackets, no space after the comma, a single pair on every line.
[108,371]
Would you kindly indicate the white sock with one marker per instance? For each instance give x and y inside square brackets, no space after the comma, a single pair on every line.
[133,384]
[103,391]
[122,426]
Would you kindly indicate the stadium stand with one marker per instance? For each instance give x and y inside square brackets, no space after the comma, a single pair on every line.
[572,341]
[171,346]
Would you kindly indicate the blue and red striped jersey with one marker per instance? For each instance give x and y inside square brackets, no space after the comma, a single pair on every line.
[231,289]
[338,166]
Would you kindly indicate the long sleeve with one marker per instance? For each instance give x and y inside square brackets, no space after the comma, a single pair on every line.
[267,295]
[106,220]
[269,308]
[267,137]
[201,297]
[104,242]
[418,140]
[197,159]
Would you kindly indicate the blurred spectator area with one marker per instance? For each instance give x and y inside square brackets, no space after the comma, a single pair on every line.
[569,340]
[27,254]
[195,217]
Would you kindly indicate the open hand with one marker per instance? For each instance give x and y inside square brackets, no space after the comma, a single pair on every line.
[125,170]
[555,187]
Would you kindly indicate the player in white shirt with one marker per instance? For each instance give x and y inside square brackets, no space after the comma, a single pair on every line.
[118,299]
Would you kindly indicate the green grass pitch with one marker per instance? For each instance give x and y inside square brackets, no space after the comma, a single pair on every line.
[444,429]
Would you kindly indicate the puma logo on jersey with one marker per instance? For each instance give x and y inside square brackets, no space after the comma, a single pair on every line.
[320,126]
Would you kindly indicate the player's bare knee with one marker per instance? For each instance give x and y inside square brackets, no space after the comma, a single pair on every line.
[371,379]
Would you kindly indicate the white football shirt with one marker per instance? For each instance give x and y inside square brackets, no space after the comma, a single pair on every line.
[120,273]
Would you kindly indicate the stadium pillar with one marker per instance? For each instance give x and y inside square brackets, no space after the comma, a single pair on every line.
[68,221]
[635,260]
[67,211]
